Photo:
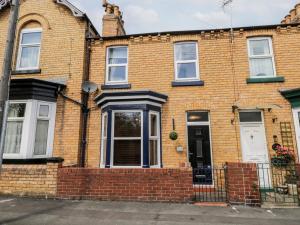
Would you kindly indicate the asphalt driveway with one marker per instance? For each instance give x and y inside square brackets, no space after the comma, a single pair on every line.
[25,211]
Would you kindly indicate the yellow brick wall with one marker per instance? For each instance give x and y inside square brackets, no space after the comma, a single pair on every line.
[62,57]
[151,66]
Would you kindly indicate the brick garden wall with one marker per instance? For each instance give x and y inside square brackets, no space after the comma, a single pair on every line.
[29,180]
[164,185]
[243,184]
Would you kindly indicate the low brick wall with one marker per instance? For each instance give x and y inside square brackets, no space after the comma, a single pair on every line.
[164,185]
[243,184]
[29,180]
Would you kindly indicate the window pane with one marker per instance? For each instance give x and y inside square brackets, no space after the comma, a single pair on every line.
[117,73]
[44,111]
[261,67]
[29,57]
[117,55]
[259,47]
[104,144]
[250,117]
[16,110]
[105,126]
[31,38]
[153,152]
[127,124]
[41,137]
[13,137]
[127,153]
[153,125]
[198,117]
[186,51]
[186,70]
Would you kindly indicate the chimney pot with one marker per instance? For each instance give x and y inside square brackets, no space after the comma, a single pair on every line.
[293,14]
[117,11]
[287,19]
[297,7]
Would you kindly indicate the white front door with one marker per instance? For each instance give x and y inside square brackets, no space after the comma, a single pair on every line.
[254,144]
[296,113]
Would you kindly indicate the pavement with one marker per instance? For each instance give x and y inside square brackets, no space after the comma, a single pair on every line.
[26,211]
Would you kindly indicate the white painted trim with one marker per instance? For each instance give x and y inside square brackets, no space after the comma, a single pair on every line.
[131,103]
[270,42]
[297,129]
[130,98]
[21,46]
[136,138]
[116,65]
[155,138]
[196,61]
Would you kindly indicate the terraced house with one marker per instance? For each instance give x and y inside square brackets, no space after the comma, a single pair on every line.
[168,102]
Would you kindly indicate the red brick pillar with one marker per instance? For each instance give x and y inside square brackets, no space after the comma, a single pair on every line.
[242,184]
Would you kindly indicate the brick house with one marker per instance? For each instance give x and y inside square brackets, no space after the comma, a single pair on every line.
[227,95]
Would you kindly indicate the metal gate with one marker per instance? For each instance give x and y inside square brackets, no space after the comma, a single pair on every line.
[278,184]
[210,184]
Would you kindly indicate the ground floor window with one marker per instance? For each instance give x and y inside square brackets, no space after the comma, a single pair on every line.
[30,129]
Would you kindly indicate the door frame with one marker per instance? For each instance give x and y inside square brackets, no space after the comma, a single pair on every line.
[253,123]
[198,124]
[297,128]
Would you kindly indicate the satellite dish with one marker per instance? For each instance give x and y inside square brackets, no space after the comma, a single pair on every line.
[89,87]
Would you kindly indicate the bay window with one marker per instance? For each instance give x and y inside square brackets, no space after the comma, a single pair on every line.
[30,129]
[261,57]
[117,65]
[29,49]
[186,61]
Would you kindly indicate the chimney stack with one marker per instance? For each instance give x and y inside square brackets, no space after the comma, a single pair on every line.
[293,16]
[112,21]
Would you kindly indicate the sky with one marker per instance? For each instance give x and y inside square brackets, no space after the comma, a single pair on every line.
[142,16]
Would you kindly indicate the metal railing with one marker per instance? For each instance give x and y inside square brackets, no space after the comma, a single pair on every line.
[278,183]
[210,184]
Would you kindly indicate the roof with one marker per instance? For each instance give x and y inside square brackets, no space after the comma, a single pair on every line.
[75,11]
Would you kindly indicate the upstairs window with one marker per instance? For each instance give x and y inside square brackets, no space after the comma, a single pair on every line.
[261,57]
[29,49]
[186,61]
[117,65]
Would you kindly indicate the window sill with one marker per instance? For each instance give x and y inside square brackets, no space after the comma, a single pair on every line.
[36,161]
[22,72]
[115,86]
[187,83]
[265,80]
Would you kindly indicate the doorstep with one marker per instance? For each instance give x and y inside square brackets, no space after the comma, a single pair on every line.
[211,204]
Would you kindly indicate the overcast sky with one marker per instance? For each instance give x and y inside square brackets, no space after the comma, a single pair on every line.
[166,15]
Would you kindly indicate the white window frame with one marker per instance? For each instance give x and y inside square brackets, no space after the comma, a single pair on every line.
[103,139]
[271,55]
[196,61]
[29,130]
[116,65]
[155,138]
[26,31]
[113,138]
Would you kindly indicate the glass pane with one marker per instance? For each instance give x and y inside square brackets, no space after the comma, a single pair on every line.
[261,67]
[117,55]
[186,51]
[31,38]
[186,70]
[16,110]
[41,137]
[127,124]
[259,47]
[13,137]
[104,144]
[127,153]
[105,126]
[117,73]
[153,152]
[44,111]
[250,117]
[153,125]
[198,117]
[29,57]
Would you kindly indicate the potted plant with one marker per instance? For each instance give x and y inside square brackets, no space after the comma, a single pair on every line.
[283,156]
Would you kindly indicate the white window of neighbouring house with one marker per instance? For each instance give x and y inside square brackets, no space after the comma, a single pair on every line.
[104,140]
[127,138]
[117,65]
[29,49]
[186,61]
[154,140]
[30,129]
[261,57]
